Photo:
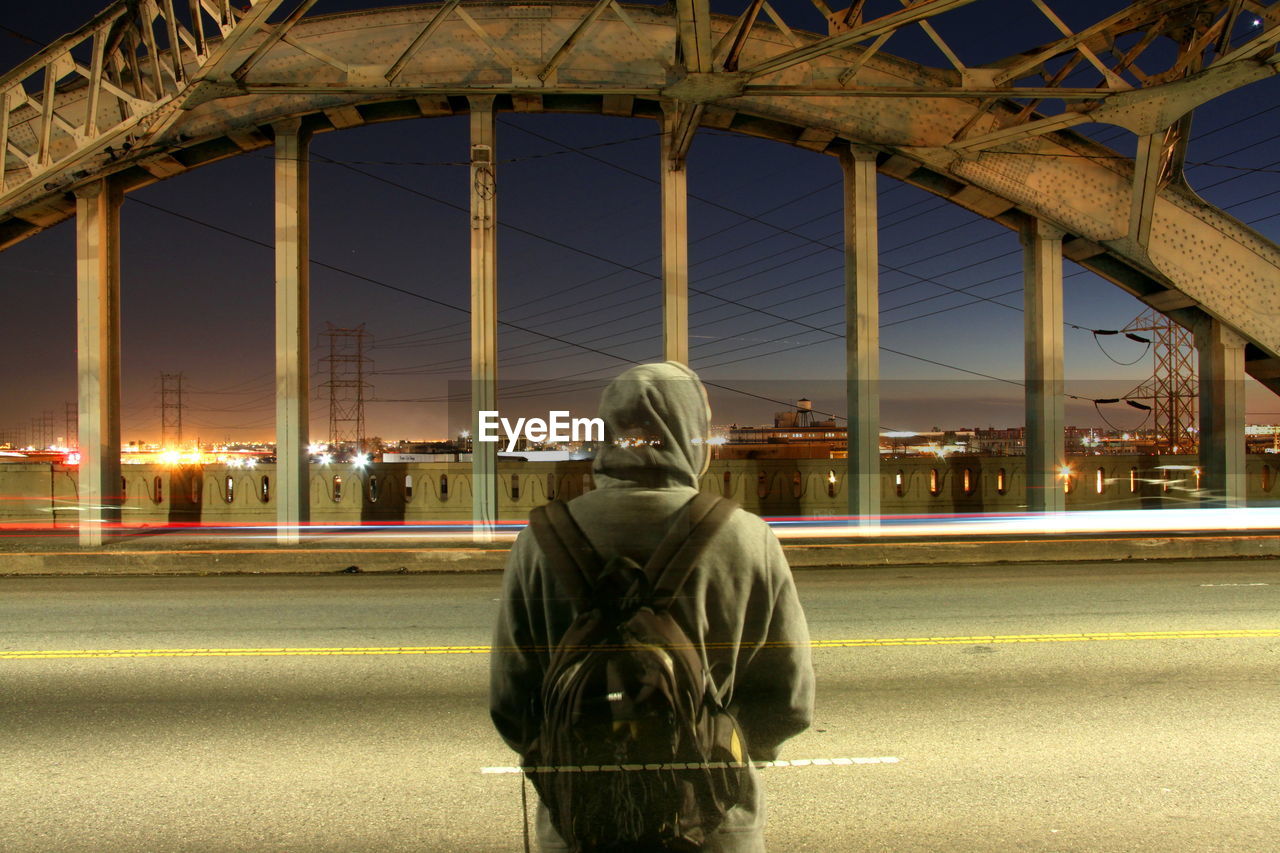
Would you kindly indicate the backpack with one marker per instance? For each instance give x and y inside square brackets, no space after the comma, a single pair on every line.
[636,750]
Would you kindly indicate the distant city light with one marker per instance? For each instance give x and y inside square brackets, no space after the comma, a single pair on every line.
[326,458]
[360,460]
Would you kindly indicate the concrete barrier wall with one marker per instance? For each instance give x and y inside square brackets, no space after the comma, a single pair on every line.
[41,493]
[417,492]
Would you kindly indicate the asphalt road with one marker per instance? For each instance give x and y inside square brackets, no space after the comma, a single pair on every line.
[1126,743]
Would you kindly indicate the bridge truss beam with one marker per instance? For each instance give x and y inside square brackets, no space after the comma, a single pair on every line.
[98,357]
[862,331]
[484,314]
[293,329]
[1045,379]
[1222,413]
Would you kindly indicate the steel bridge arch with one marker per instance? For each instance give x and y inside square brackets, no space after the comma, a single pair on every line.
[333,72]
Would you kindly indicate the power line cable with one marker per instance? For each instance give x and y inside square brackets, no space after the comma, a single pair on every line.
[619,263]
[441,303]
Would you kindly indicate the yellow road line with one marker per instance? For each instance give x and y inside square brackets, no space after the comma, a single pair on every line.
[981,639]
[1047,638]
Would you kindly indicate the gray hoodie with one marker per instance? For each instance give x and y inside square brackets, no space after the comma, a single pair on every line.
[739,605]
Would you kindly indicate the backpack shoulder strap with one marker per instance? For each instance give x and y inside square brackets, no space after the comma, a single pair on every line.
[569,554]
[675,557]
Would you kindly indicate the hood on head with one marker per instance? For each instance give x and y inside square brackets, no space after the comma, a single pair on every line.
[656,423]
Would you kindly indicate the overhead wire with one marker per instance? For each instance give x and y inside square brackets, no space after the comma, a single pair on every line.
[405,291]
[921,279]
[750,310]
[647,178]
[718,287]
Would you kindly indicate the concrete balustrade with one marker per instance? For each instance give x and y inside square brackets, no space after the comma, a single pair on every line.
[41,493]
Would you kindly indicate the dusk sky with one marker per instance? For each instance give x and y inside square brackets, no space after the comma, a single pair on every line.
[579,250]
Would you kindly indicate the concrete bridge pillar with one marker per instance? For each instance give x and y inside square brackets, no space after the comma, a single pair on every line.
[1042,283]
[484,314]
[675,246]
[1222,408]
[293,339]
[862,331]
[98,356]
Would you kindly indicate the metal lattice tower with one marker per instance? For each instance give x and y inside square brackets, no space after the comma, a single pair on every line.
[1173,388]
[43,430]
[346,366]
[170,408]
[72,426]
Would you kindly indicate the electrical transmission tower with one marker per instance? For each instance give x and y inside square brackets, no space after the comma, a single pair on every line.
[346,366]
[43,430]
[170,408]
[1173,387]
[72,426]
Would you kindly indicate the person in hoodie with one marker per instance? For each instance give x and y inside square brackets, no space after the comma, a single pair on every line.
[739,605]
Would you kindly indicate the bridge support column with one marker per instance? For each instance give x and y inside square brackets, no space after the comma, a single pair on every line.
[862,332]
[675,247]
[484,315]
[98,356]
[1042,283]
[293,339]
[1222,407]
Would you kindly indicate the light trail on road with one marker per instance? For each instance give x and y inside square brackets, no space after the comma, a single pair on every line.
[1237,521]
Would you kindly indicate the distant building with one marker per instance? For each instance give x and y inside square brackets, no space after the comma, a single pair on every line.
[795,434]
